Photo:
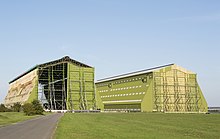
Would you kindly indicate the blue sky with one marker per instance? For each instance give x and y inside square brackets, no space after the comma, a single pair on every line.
[114,36]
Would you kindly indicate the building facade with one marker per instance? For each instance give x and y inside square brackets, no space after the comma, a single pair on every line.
[168,88]
[63,84]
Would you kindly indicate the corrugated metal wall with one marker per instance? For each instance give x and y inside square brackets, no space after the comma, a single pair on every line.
[81,90]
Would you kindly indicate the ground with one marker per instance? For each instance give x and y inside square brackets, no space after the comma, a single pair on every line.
[7,118]
[138,125]
[41,127]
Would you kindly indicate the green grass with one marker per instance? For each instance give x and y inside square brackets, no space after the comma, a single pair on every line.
[7,118]
[138,125]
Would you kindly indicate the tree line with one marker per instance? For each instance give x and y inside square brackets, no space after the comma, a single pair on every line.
[33,108]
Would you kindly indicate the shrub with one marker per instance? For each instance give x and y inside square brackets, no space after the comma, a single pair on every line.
[33,108]
[3,108]
[16,107]
[28,109]
[37,107]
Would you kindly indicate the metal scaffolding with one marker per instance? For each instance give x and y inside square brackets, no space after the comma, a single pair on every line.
[53,80]
[175,91]
[63,84]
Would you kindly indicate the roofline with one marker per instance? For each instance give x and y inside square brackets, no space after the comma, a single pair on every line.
[28,71]
[64,59]
[132,73]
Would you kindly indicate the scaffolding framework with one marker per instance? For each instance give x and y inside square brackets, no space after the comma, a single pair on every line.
[53,79]
[65,87]
[63,84]
[176,91]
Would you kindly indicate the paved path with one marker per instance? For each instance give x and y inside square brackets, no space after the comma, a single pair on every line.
[38,128]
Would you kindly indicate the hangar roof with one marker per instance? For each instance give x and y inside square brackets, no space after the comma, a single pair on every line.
[64,59]
[133,73]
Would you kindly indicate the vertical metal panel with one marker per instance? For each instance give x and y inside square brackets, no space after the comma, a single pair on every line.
[81,92]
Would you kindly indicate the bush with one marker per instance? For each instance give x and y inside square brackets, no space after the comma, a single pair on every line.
[37,107]
[33,108]
[3,108]
[16,107]
[28,109]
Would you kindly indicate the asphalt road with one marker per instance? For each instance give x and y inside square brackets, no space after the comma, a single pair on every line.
[38,128]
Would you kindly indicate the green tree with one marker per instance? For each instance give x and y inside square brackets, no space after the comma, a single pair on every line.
[3,108]
[16,107]
[28,109]
[37,107]
[34,108]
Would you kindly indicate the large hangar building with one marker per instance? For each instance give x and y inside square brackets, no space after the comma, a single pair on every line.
[168,88]
[63,84]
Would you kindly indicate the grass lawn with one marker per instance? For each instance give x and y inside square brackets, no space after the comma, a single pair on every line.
[12,117]
[138,125]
